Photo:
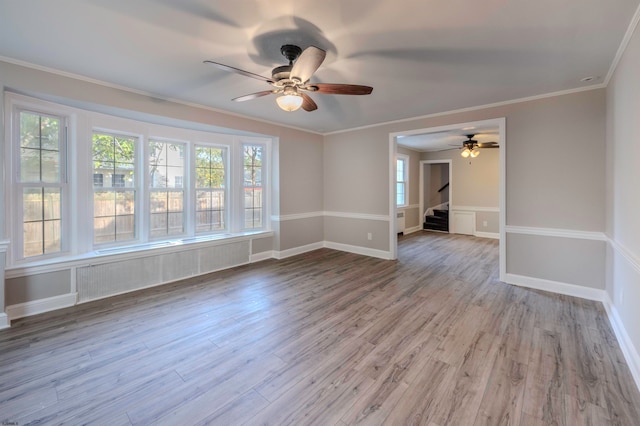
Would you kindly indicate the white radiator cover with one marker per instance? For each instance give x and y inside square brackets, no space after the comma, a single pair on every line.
[111,278]
[464,222]
[400,222]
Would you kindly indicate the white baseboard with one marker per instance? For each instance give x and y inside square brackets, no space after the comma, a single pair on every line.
[494,235]
[381,254]
[411,230]
[40,306]
[556,287]
[297,250]
[628,350]
[259,257]
[4,321]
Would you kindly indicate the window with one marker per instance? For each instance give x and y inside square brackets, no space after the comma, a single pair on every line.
[41,182]
[402,180]
[114,206]
[210,188]
[253,193]
[133,185]
[166,199]
[117,180]
[98,179]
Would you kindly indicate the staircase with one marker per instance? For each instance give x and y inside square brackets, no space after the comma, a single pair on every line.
[438,222]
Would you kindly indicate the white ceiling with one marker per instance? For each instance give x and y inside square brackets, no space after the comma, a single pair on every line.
[420,56]
[449,139]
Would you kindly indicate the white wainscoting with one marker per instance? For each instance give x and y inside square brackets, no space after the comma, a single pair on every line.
[107,279]
[156,266]
[41,306]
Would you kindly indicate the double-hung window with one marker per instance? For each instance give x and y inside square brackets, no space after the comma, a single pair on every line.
[114,194]
[402,180]
[41,182]
[253,199]
[166,191]
[210,186]
[82,183]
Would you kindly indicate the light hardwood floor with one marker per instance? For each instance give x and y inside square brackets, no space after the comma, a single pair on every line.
[325,338]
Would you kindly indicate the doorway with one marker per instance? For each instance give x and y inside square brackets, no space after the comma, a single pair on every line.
[435,192]
[465,208]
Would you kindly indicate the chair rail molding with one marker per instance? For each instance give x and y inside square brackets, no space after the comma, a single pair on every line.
[475,209]
[557,232]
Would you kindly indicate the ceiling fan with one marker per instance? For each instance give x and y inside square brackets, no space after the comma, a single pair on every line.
[470,147]
[291,81]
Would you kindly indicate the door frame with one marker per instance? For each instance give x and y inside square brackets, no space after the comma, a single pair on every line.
[500,122]
[421,187]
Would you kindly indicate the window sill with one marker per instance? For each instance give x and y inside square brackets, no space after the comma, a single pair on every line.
[122,253]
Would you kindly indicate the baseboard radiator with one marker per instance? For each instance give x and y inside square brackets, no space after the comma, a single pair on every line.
[108,279]
[400,223]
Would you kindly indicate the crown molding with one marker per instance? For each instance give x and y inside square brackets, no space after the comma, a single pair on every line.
[623,45]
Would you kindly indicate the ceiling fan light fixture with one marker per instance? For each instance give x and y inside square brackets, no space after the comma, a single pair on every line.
[289,101]
[465,153]
[474,152]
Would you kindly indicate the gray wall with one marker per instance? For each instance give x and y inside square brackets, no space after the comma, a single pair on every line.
[550,183]
[356,172]
[623,200]
[475,182]
[565,260]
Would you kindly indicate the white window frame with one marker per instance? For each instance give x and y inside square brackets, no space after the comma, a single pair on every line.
[265,184]
[150,189]
[14,187]
[77,209]
[138,193]
[227,179]
[405,160]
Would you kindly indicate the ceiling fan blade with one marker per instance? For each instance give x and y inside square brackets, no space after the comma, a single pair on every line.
[253,96]
[307,103]
[488,145]
[307,63]
[239,71]
[341,89]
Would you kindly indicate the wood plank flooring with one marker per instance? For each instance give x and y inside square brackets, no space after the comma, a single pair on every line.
[325,338]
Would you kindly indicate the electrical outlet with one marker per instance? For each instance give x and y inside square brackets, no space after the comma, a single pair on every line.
[484,223]
[369,236]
